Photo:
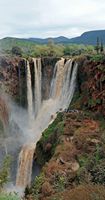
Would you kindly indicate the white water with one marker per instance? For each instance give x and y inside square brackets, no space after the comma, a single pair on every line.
[62,90]
[25,165]
[37,87]
[29,93]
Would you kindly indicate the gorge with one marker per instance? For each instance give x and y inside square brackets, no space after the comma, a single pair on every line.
[52,114]
[41,109]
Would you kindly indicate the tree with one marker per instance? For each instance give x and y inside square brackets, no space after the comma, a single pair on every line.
[97,48]
[101,48]
[17,51]
[51,47]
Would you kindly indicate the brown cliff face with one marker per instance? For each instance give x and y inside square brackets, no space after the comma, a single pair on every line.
[13,77]
[91,85]
[9,75]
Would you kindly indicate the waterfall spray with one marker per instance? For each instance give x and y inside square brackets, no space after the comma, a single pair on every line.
[61,93]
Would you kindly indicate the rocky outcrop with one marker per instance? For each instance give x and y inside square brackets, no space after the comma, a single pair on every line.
[91,85]
[9,75]
[13,77]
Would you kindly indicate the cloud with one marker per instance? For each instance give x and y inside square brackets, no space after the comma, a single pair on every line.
[43,18]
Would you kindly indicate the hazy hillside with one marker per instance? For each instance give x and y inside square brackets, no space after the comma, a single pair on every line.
[89,37]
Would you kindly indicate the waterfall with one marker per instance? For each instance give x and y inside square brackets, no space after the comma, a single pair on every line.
[37,83]
[69,83]
[63,83]
[25,166]
[56,84]
[61,93]
[29,93]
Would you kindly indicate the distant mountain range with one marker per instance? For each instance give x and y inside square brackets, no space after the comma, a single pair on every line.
[88,38]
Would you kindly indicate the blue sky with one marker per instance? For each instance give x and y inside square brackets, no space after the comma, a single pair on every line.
[43,18]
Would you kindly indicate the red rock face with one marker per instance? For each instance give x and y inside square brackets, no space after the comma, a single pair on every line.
[10,82]
[9,75]
[13,77]
[93,86]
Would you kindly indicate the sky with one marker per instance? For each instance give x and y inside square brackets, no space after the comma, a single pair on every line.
[50,18]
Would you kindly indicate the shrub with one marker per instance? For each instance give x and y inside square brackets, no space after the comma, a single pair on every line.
[9,197]
[5,170]
[16,51]
[49,138]
[35,190]
[98,58]
[60,183]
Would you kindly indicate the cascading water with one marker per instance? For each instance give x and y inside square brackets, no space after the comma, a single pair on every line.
[68,87]
[61,93]
[56,85]
[25,165]
[37,83]
[29,93]
[63,83]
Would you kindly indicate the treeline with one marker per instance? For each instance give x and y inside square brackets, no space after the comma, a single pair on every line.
[24,48]
[52,50]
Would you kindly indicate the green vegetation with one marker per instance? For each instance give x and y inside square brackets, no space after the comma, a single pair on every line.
[46,146]
[9,197]
[99,46]
[97,58]
[75,49]
[5,171]
[31,49]
[93,102]
[60,182]
[16,51]
[36,186]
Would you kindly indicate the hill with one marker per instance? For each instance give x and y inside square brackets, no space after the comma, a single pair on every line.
[87,38]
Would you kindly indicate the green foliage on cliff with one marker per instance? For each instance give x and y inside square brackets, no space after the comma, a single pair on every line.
[98,58]
[5,171]
[36,187]
[8,197]
[93,102]
[46,145]
[52,127]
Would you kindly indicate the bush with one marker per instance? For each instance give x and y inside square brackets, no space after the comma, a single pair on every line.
[98,58]
[17,51]
[49,139]
[60,182]
[93,168]
[5,170]
[9,197]
[35,190]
